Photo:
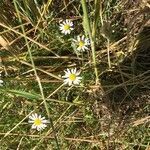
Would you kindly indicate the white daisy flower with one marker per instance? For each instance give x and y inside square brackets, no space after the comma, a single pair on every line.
[1,81]
[72,77]
[82,43]
[38,122]
[66,27]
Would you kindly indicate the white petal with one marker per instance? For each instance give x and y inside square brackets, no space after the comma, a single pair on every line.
[75,70]
[78,78]
[87,41]
[68,71]
[82,38]
[61,26]
[39,117]
[66,81]
[69,82]
[71,24]
[72,71]
[30,121]
[67,21]
[39,128]
[45,121]
[65,76]
[78,38]
[1,82]
[44,126]
[68,31]
[85,47]
[79,48]
[34,126]
[64,23]
[35,115]
[65,32]
[42,118]
[74,40]
[76,81]
[77,73]
[32,117]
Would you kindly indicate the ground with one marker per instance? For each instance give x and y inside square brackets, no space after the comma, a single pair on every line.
[109,109]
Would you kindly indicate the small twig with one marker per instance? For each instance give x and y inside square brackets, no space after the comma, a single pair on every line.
[108,53]
[28,38]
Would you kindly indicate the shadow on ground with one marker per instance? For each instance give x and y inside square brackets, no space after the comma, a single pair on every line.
[128,85]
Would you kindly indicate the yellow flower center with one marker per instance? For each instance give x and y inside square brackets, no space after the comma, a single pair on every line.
[81,44]
[72,77]
[66,27]
[37,122]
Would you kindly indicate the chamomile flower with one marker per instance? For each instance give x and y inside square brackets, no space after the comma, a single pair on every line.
[72,77]
[66,27]
[82,43]
[1,81]
[38,122]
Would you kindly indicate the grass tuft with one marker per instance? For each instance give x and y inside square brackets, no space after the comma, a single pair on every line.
[109,109]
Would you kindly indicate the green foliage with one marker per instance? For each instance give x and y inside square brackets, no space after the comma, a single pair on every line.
[24,94]
[33,57]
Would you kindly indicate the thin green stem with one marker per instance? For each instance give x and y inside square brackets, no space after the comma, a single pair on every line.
[108,53]
[88,28]
[96,18]
[37,77]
